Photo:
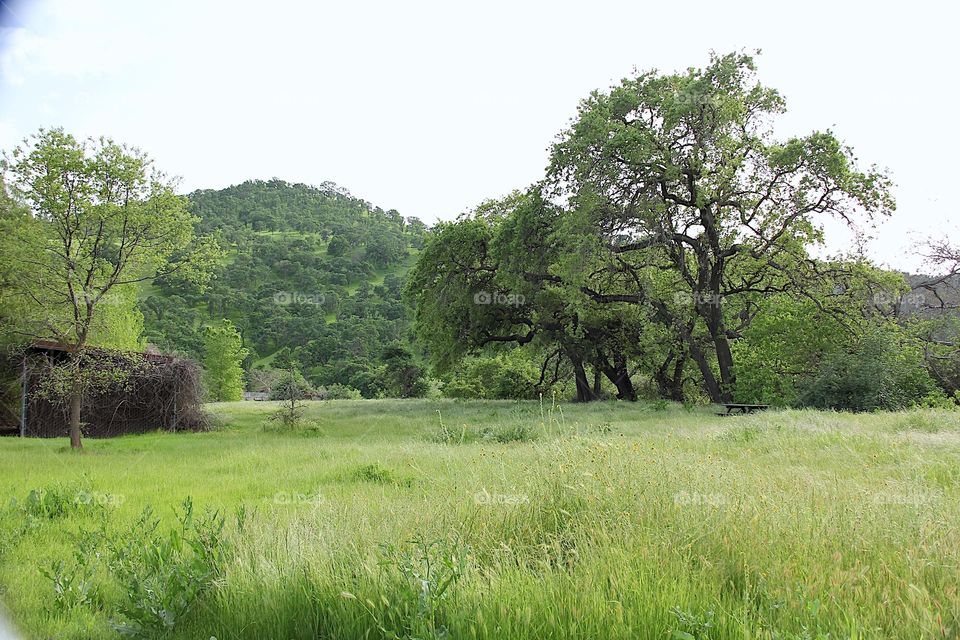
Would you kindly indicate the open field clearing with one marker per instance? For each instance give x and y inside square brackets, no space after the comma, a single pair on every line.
[428,519]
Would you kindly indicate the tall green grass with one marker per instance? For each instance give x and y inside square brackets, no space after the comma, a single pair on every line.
[433,519]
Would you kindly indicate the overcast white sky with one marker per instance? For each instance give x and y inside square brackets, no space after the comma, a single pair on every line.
[430,107]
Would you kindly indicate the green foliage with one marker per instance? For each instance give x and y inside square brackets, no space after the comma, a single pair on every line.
[164,573]
[680,257]
[159,575]
[939,335]
[505,375]
[783,347]
[95,372]
[651,240]
[378,474]
[428,571]
[311,272]
[402,377]
[661,155]
[55,502]
[119,324]
[102,218]
[222,362]
[338,246]
[882,370]
[446,316]
[73,585]
[290,389]
[291,385]
[692,626]
[17,312]
[341,392]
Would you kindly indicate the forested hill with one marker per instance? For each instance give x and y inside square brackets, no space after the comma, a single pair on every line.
[276,205]
[310,272]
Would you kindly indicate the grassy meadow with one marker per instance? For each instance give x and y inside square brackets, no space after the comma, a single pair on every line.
[489,519]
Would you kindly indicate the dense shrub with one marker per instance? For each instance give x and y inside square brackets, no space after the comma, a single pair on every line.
[883,370]
[506,375]
[340,392]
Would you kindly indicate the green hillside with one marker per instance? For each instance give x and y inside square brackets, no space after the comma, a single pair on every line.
[310,273]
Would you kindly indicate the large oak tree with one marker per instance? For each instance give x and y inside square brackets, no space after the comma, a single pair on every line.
[682,173]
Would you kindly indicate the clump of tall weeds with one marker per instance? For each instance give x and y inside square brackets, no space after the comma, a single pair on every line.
[424,573]
[160,574]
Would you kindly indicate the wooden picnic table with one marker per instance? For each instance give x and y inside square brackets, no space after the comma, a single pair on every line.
[737,407]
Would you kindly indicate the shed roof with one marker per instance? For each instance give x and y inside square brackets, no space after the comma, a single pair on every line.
[48,346]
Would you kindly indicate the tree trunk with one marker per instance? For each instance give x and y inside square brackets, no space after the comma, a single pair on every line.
[709,307]
[718,333]
[584,392]
[618,374]
[670,385]
[725,361]
[597,380]
[76,399]
[694,350]
[676,385]
[625,390]
[709,380]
